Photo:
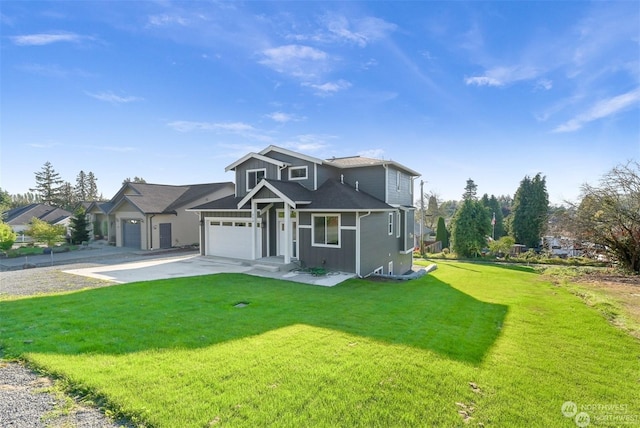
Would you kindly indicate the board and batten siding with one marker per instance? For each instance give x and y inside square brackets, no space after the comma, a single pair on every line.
[399,187]
[252,163]
[340,259]
[379,248]
[294,163]
[371,180]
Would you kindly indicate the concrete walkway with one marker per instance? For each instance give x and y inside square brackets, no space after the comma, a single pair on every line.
[122,265]
[195,265]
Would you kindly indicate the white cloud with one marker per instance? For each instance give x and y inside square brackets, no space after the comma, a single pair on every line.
[482,81]
[502,76]
[189,126]
[166,20]
[110,97]
[545,84]
[54,70]
[42,39]
[281,117]
[295,60]
[361,31]
[601,109]
[329,88]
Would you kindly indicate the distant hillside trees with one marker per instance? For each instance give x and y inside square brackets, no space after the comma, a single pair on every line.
[495,213]
[442,234]
[470,225]
[135,179]
[530,211]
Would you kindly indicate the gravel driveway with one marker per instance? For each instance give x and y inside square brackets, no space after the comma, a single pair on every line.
[27,399]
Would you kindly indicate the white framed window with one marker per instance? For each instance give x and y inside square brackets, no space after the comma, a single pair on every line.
[390,268]
[298,173]
[398,224]
[390,228]
[326,230]
[398,179]
[254,176]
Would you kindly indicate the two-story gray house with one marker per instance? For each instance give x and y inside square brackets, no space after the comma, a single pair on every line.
[352,214]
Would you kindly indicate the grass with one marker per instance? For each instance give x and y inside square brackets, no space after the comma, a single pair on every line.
[467,343]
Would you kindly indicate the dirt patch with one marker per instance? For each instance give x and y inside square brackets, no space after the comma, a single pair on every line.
[623,290]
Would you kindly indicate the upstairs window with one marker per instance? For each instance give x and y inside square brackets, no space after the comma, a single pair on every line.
[298,173]
[390,229]
[398,180]
[254,176]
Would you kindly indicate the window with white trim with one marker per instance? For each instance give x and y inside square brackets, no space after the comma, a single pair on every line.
[398,224]
[398,178]
[298,173]
[326,230]
[390,228]
[254,176]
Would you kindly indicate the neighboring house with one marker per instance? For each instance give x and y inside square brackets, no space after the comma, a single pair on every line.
[19,218]
[151,216]
[351,214]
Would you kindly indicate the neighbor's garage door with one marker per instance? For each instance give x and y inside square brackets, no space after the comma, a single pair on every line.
[231,239]
[131,236]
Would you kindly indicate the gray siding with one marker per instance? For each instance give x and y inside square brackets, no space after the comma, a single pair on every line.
[241,173]
[378,248]
[407,228]
[398,194]
[229,214]
[370,180]
[327,172]
[295,162]
[337,259]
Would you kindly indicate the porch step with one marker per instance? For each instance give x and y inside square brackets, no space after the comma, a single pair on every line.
[268,268]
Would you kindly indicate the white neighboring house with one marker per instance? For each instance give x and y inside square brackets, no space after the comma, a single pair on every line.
[19,218]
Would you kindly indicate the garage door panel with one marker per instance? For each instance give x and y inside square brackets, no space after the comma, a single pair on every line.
[231,239]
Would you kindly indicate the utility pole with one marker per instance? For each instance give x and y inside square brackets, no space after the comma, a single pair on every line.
[422,219]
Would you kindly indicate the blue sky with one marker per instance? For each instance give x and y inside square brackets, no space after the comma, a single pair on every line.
[175,91]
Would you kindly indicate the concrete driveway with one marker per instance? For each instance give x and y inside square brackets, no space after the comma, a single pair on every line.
[194,265]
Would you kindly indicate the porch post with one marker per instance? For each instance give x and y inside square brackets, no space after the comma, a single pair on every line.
[287,233]
[254,221]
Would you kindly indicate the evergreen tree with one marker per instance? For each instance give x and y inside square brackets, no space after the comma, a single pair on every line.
[442,234]
[470,191]
[495,212]
[530,211]
[5,200]
[48,185]
[68,198]
[81,190]
[92,187]
[79,227]
[136,179]
[469,228]
[22,199]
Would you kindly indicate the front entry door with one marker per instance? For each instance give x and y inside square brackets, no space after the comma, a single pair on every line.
[165,235]
[282,238]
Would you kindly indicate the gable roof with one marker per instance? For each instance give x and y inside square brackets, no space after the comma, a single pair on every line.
[164,199]
[48,213]
[292,193]
[291,153]
[361,161]
[255,156]
[333,195]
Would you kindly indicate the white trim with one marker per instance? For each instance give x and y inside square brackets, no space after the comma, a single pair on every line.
[378,271]
[398,224]
[398,180]
[390,224]
[390,268]
[232,219]
[246,177]
[313,240]
[296,168]
[304,226]
[406,251]
[255,156]
[264,183]
[348,227]
[290,153]
[315,177]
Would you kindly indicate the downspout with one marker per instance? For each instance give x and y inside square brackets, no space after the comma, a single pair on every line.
[358,218]
[151,231]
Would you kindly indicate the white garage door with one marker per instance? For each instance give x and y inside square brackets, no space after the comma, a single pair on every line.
[231,239]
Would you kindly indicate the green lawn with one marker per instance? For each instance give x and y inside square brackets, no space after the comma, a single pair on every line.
[496,344]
